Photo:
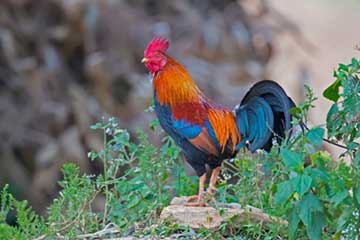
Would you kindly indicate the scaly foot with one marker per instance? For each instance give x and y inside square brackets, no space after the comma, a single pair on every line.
[196,201]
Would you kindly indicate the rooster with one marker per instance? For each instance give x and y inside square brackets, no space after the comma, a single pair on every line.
[208,132]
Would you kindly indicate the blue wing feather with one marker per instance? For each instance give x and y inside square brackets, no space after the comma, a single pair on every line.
[202,137]
[187,129]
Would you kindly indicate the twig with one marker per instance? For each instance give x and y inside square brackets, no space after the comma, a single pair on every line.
[81,210]
[329,141]
[105,231]
[40,238]
[105,178]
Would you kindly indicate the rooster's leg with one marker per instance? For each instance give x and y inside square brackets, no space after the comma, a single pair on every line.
[214,175]
[200,197]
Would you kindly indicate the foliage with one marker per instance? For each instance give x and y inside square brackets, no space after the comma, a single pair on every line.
[137,182]
[325,193]
[146,186]
[296,181]
[29,224]
[72,211]
[343,119]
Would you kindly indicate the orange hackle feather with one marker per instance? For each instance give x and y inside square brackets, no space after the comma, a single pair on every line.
[175,87]
[224,124]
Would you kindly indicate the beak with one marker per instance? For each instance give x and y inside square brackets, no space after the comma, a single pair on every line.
[144,60]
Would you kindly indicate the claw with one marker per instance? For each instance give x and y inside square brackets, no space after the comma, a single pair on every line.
[211,190]
[193,198]
[196,201]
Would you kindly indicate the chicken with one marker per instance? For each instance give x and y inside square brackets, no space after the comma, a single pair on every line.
[208,132]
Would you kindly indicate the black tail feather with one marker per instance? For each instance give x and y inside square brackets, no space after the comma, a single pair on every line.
[264,114]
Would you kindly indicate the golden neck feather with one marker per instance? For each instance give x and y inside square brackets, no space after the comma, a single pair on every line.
[173,84]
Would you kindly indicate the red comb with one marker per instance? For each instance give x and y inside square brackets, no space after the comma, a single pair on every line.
[157,44]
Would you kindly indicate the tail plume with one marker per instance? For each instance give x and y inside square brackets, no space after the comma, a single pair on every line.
[263,114]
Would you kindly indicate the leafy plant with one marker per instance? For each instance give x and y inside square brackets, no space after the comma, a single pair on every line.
[139,179]
[72,212]
[151,176]
[343,124]
[324,193]
[29,224]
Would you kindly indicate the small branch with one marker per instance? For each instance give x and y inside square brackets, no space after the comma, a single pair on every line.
[68,224]
[109,229]
[40,238]
[105,179]
[328,140]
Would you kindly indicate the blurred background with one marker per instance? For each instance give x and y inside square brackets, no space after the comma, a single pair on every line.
[65,64]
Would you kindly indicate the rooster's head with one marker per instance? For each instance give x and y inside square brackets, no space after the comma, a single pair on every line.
[154,55]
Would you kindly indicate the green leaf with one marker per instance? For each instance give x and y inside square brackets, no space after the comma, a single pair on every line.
[319,174]
[343,67]
[357,194]
[332,92]
[284,191]
[357,159]
[5,203]
[354,62]
[344,218]
[331,119]
[321,159]
[314,230]
[96,126]
[315,136]
[339,197]
[354,66]
[307,205]
[135,200]
[8,232]
[293,224]
[153,124]
[294,111]
[302,184]
[291,159]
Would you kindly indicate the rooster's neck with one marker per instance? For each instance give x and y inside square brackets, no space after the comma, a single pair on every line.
[174,85]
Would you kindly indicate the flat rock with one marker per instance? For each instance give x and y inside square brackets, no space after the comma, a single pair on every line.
[213,217]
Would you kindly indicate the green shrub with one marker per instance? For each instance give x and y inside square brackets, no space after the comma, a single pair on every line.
[325,193]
